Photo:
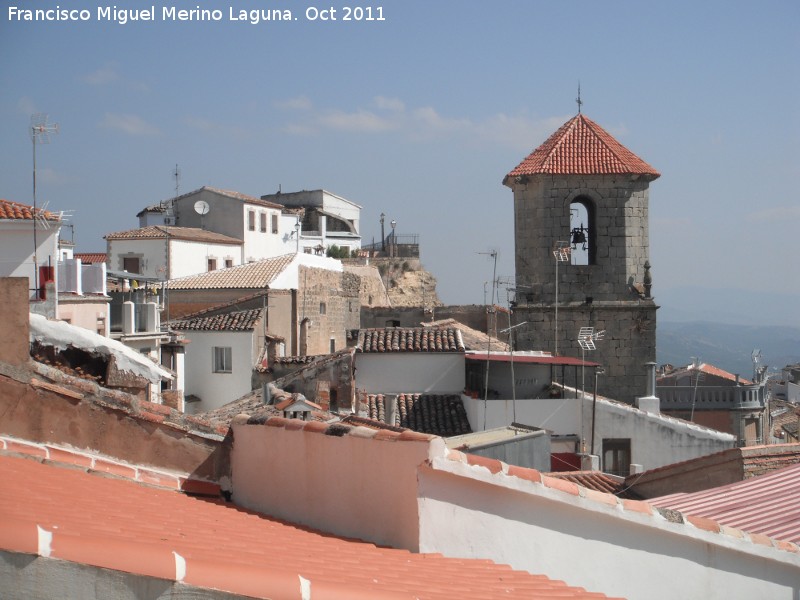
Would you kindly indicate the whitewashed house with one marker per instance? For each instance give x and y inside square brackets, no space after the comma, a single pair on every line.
[253,221]
[20,232]
[164,252]
[317,219]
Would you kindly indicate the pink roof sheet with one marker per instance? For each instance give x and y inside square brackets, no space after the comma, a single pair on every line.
[766,504]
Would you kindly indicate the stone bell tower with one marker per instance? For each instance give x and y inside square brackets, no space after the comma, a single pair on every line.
[582,253]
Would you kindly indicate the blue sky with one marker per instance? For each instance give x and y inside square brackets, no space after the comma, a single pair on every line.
[421,115]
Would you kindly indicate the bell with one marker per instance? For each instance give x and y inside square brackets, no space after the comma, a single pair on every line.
[578,237]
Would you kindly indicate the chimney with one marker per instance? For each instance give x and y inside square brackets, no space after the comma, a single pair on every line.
[390,407]
[650,403]
[128,318]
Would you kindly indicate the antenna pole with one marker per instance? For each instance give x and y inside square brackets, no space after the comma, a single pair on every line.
[39,130]
[578,99]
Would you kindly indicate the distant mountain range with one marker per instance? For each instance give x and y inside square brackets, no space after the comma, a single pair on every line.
[728,347]
[723,327]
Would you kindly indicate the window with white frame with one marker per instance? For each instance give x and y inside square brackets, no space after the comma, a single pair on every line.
[221,356]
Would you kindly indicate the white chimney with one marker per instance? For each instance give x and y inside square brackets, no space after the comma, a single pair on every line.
[650,403]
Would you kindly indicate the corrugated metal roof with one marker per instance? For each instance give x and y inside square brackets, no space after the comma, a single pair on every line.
[582,147]
[767,504]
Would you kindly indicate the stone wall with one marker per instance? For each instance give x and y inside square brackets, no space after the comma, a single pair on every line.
[330,301]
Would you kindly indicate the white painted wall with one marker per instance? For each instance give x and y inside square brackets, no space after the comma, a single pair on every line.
[191,258]
[410,372]
[216,389]
[656,440]
[351,486]
[289,279]
[408,494]
[261,244]
[153,255]
[16,248]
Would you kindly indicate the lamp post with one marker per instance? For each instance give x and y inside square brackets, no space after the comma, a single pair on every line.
[509,330]
[561,253]
[394,239]
[586,339]
[383,237]
[597,371]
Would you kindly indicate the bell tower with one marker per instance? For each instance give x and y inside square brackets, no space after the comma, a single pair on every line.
[582,253]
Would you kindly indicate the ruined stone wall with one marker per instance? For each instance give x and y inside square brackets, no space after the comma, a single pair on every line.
[330,300]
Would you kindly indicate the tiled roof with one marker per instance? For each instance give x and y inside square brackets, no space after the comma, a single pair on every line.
[582,147]
[704,368]
[160,232]
[91,258]
[242,197]
[241,320]
[473,339]
[766,504]
[257,274]
[437,414]
[121,525]
[410,339]
[600,482]
[15,210]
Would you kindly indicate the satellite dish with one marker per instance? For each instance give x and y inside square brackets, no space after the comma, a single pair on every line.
[201,207]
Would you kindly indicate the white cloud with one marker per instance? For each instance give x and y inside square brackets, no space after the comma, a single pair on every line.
[297,103]
[208,126]
[777,214]
[109,74]
[130,124]
[391,115]
[385,103]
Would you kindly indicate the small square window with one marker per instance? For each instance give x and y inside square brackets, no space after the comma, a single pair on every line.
[212,264]
[323,308]
[228,263]
[221,356]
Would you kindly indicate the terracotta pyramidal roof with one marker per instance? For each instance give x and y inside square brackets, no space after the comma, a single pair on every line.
[582,147]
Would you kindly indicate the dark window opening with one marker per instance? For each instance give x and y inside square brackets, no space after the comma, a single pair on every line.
[617,456]
[583,231]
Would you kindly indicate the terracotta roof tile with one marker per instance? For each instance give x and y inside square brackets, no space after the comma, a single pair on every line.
[242,320]
[15,210]
[91,258]
[257,274]
[438,414]
[124,526]
[410,339]
[582,147]
[160,232]
[473,339]
[597,481]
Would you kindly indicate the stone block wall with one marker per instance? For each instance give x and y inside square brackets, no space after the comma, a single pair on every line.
[629,341]
[542,218]
[331,301]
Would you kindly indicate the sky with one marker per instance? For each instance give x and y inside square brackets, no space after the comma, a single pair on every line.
[420,115]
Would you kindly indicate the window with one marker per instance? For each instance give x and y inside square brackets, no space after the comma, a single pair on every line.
[274,223]
[582,231]
[212,264]
[251,220]
[323,308]
[228,263]
[263,222]
[131,264]
[222,359]
[617,456]
[333,345]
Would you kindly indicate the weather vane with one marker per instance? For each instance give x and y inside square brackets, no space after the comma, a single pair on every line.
[578,99]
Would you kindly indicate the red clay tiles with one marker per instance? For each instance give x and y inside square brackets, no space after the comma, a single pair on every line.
[14,210]
[410,339]
[121,525]
[582,147]
[241,320]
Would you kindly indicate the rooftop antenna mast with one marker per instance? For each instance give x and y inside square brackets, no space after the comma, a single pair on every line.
[176,174]
[578,99]
[40,131]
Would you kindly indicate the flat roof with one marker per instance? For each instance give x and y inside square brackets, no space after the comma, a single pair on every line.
[529,359]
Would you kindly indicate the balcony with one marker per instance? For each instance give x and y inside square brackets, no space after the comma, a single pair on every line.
[742,397]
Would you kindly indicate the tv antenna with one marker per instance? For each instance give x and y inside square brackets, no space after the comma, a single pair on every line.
[39,131]
[176,175]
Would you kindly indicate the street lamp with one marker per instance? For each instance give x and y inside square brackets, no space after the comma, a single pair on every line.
[383,237]
[597,371]
[562,254]
[394,239]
